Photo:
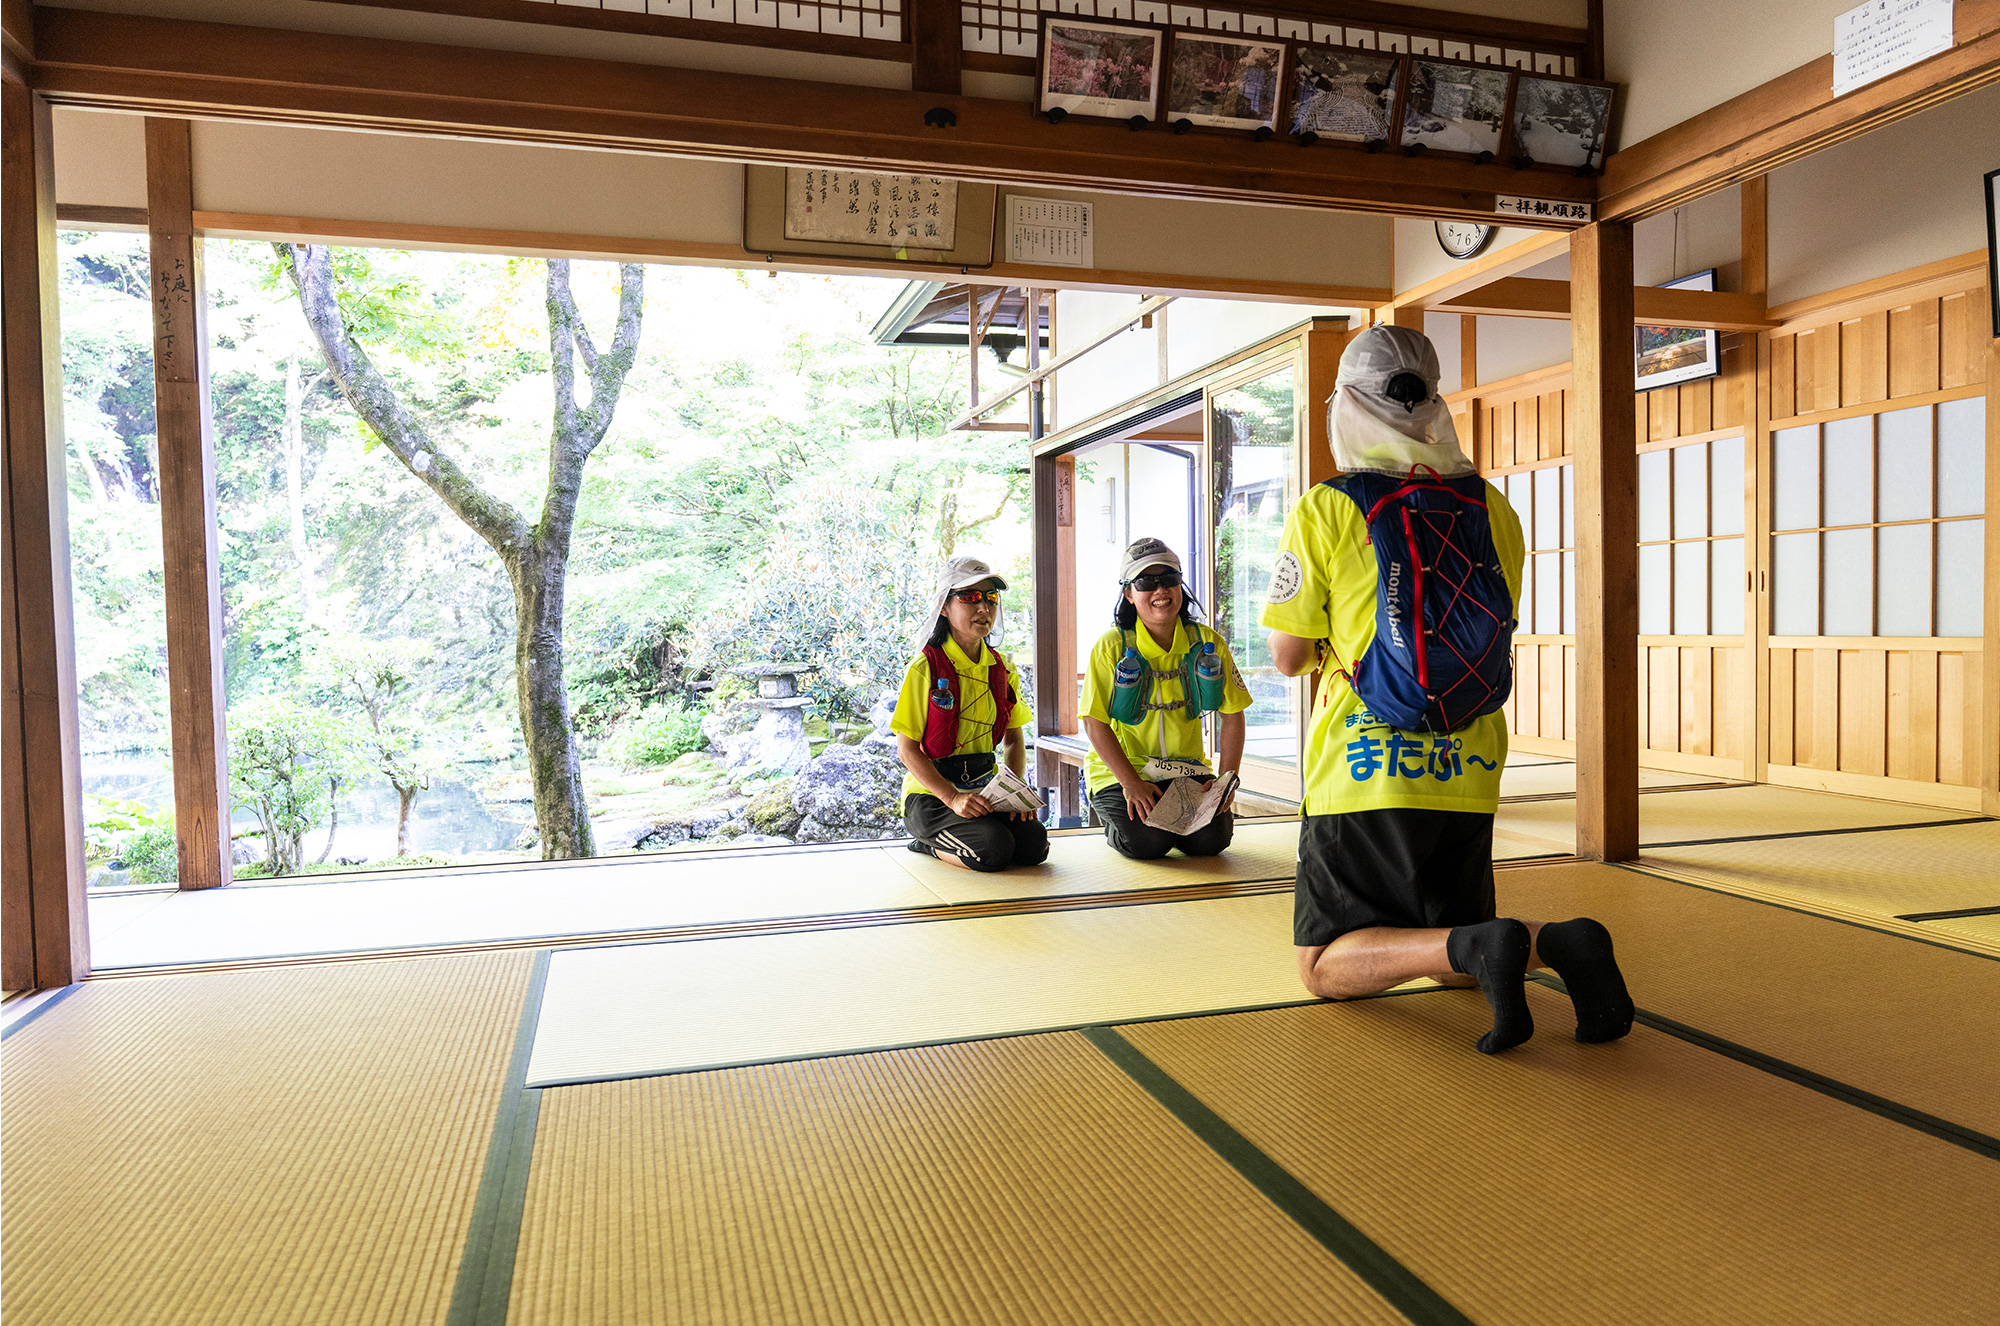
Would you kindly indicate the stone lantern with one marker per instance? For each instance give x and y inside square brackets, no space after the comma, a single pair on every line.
[779,739]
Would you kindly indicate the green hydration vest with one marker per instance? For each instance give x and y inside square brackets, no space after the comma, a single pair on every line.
[1130,705]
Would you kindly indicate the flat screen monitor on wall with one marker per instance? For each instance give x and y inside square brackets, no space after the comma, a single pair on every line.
[1668,356]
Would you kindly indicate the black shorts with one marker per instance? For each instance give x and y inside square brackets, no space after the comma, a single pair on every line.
[1412,869]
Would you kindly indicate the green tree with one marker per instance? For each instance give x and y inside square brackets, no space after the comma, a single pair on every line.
[286,763]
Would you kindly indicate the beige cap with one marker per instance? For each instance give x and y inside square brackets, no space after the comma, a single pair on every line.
[1145,553]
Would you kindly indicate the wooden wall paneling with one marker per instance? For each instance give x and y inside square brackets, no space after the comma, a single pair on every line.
[44,921]
[936,46]
[1727,734]
[1642,418]
[1989,658]
[1697,697]
[1549,420]
[1957,337]
[1738,369]
[1782,392]
[187,511]
[1864,359]
[1864,689]
[1528,690]
[1663,414]
[1805,733]
[1818,368]
[1569,693]
[1697,405]
[1569,422]
[1923,754]
[1952,743]
[1527,429]
[1503,433]
[1913,348]
[1825,699]
[1663,697]
[1898,749]
[1779,743]
[1978,756]
[1550,709]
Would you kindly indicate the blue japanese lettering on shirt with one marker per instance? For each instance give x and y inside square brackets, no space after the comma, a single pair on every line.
[1406,756]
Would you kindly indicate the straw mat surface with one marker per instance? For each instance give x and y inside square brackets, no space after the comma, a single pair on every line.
[1085,863]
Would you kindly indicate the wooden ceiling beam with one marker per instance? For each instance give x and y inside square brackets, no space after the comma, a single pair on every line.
[1523,297]
[169,66]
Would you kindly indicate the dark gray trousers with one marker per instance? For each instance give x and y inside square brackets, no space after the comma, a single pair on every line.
[1143,842]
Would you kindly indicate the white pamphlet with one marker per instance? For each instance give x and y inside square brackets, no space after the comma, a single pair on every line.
[1187,805]
[1008,791]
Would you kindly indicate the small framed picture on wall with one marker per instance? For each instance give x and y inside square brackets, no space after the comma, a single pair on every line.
[1103,68]
[1221,82]
[1670,355]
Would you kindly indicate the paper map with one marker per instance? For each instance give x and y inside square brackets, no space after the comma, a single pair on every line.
[1187,805]
[1007,790]
[859,207]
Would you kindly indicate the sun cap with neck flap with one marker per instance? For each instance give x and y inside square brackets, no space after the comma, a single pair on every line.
[1385,415]
[963,573]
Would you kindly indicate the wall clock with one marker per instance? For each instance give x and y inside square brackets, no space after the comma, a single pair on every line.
[1461,239]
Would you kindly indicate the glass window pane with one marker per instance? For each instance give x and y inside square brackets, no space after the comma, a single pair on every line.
[1569,591]
[1903,580]
[1850,474]
[1845,603]
[1526,607]
[1795,584]
[1690,491]
[1569,506]
[1256,462]
[1961,427]
[1725,595]
[1655,602]
[1725,486]
[1548,509]
[1691,588]
[1903,465]
[1961,577]
[1795,452]
[1548,593]
[1520,486]
[1653,522]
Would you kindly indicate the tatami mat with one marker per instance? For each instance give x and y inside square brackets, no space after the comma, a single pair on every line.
[660,1008]
[1907,1021]
[1881,875]
[1717,812]
[1015,1181]
[1084,863]
[1535,780]
[1648,1181]
[300,1145]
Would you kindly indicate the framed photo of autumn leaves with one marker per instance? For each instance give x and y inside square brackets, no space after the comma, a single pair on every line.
[1148,75]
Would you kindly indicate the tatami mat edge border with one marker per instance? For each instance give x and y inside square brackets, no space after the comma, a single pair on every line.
[1944,1130]
[1812,833]
[39,1009]
[1388,1277]
[486,1267]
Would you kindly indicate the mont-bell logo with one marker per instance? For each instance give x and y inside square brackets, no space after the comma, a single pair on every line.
[1395,585]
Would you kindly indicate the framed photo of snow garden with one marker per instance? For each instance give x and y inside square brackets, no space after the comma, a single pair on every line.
[1105,69]
[1560,121]
[1224,82]
[1344,95]
[1454,107]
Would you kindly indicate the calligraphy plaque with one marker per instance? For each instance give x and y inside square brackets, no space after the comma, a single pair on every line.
[809,211]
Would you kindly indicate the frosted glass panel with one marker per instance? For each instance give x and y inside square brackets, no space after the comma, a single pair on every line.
[1725,595]
[1850,474]
[1655,600]
[1903,580]
[1690,491]
[1691,589]
[1795,452]
[1845,601]
[1569,591]
[1548,509]
[1653,522]
[1960,579]
[1519,486]
[1961,429]
[1903,465]
[1548,593]
[1527,626]
[1795,584]
[1725,486]
[1569,506]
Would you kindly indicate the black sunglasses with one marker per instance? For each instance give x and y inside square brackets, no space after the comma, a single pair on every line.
[1146,584]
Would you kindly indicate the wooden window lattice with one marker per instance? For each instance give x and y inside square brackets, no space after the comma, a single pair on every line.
[876,20]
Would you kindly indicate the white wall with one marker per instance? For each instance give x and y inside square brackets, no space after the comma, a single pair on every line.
[1201,331]
[1419,257]
[1674,59]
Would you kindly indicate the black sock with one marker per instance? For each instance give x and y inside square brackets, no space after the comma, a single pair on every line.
[1495,953]
[1580,953]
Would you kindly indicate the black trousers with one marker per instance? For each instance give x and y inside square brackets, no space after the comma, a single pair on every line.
[991,842]
[1143,842]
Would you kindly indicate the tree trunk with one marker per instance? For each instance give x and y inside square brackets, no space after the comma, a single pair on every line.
[333,818]
[561,812]
[295,460]
[405,798]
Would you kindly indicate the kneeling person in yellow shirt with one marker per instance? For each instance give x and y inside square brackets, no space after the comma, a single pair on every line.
[1132,758]
[960,703]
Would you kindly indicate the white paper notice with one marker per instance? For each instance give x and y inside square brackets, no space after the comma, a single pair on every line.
[1882,36]
[1046,233]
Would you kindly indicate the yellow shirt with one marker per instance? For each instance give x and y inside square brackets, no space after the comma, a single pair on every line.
[1353,761]
[976,709]
[1166,732]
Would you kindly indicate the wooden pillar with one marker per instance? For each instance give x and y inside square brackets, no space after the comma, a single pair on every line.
[44,925]
[1468,352]
[187,512]
[1407,315]
[1756,280]
[1607,532]
[1989,655]
[936,46]
[1054,519]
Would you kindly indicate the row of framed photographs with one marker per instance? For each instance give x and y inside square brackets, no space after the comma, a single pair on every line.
[1144,73]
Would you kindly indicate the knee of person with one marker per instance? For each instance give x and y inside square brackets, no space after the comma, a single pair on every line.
[1031,851]
[1148,850]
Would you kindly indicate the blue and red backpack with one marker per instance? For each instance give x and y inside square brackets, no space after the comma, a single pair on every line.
[1443,652]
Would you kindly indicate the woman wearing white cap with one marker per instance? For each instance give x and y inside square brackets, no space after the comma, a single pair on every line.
[960,704]
[1147,732]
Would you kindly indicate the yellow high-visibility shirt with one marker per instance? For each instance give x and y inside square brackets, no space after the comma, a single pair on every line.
[976,707]
[1323,588]
[1168,733]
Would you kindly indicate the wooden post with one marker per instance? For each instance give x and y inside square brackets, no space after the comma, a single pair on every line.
[44,924]
[1757,491]
[1989,655]
[1054,523]
[936,46]
[1607,533]
[1756,223]
[1468,352]
[187,511]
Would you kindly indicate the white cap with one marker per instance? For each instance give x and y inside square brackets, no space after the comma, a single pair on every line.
[1144,553]
[962,573]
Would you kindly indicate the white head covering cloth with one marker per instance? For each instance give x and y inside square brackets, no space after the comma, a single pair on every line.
[961,573]
[1369,430]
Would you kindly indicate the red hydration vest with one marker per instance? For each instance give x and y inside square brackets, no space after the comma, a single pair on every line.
[941,722]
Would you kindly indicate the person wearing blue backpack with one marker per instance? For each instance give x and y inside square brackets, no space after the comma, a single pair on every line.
[1148,683]
[1398,582]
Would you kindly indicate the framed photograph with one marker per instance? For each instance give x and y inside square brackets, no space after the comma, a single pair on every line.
[1218,82]
[818,212]
[1345,95]
[1668,356]
[1107,70]
[1993,245]
[1560,121]
[1454,107]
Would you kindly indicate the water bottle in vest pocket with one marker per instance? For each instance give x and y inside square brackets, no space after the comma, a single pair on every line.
[1128,699]
[1208,678]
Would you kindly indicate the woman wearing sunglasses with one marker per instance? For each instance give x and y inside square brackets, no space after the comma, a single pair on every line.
[961,703]
[1149,681]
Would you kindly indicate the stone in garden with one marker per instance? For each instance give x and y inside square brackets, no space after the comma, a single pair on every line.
[771,811]
[849,792]
[620,835]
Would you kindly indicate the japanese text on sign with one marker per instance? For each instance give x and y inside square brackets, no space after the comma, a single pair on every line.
[1544,209]
[859,207]
[1047,233]
[1882,36]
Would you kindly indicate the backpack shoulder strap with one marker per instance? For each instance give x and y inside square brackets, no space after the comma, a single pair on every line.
[1003,694]
[940,722]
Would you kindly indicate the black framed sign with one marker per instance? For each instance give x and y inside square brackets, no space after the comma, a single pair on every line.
[1107,69]
[1993,245]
